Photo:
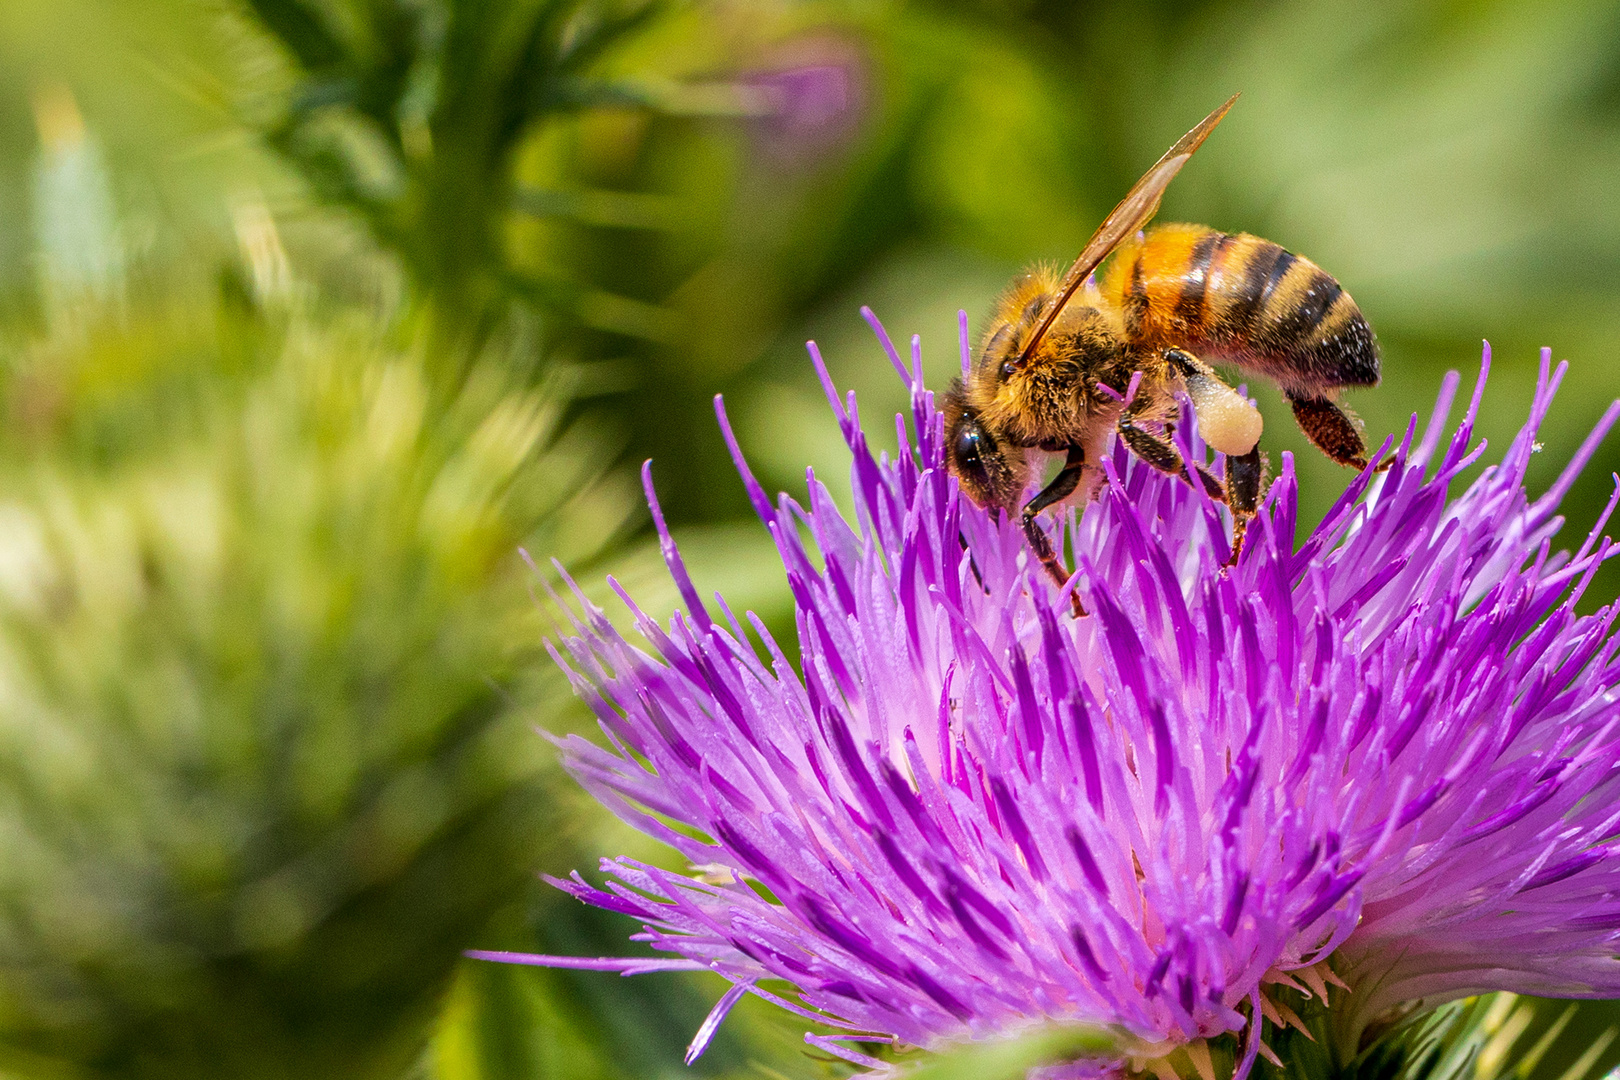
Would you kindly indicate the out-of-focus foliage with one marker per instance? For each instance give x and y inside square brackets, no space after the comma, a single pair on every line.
[501,1022]
[411,114]
[1013,1059]
[324,306]
[265,757]
[269,666]
[1493,1037]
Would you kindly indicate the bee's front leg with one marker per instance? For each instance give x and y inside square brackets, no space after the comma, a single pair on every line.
[1061,487]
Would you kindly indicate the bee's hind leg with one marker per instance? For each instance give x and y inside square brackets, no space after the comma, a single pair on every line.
[1061,487]
[1331,428]
[1245,479]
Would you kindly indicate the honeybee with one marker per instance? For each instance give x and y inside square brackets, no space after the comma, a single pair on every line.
[1059,357]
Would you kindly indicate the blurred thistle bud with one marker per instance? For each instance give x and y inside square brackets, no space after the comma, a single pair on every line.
[811,97]
[265,738]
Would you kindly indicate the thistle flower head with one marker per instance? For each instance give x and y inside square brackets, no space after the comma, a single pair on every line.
[1385,758]
[813,93]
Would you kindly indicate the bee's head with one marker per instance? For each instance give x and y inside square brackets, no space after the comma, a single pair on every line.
[992,472]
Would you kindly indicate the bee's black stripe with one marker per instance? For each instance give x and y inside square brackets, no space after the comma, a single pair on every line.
[1279,270]
[1298,324]
[1190,305]
[1348,358]
[1251,288]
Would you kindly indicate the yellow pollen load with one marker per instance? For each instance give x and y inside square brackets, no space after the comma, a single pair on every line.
[1226,419]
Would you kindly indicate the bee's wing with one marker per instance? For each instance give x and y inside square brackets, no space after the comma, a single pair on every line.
[1133,212]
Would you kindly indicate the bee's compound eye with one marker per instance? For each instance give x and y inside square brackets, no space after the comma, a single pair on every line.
[970,453]
[968,444]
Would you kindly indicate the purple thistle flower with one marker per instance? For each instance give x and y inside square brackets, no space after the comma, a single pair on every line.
[968,813]
[813,95]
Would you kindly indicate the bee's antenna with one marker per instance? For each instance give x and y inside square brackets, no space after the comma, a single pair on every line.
[1133,212]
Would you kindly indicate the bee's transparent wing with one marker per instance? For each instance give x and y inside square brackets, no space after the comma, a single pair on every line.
[1133,212]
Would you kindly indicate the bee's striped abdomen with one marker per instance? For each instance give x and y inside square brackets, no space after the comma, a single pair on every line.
[1244,300]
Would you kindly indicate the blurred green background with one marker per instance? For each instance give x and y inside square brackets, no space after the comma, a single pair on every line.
[312,312]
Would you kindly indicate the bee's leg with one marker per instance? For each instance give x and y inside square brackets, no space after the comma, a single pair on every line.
[1329,426]
[1227,420]
[1245,479]
[1162,454]
[972,563]
[1061,487]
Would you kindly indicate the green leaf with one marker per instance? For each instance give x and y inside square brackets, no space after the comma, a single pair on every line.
[302,30]
[1012,1059]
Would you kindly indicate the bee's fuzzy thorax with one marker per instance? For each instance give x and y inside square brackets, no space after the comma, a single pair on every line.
[1052,398]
